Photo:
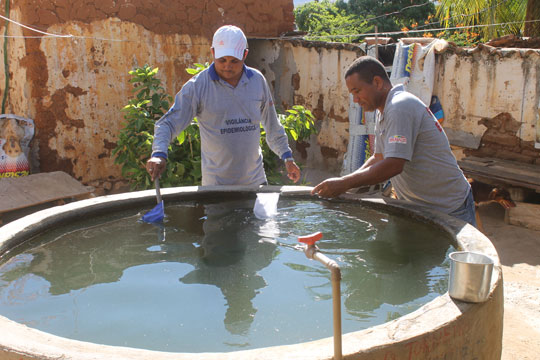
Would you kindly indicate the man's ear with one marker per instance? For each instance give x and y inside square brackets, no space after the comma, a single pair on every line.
[378,82]
[245,54]
[213,53]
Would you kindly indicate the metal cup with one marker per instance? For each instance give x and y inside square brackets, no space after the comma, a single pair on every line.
[470,276]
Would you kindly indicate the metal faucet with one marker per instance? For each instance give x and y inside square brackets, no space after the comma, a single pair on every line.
[312,252]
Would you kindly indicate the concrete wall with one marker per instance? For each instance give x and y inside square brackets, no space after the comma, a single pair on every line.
[311,74]
[73,88]
[490,97]
[491,100]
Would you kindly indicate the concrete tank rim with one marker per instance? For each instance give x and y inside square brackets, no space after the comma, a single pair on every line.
[36,344]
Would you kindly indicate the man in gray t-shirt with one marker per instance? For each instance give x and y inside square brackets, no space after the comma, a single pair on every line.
[411,147]
[230,101]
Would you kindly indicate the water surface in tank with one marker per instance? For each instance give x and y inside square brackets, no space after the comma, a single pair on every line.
[216,278]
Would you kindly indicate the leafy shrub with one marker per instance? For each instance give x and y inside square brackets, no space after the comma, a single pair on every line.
[134,146]
[461,38]
[299,125]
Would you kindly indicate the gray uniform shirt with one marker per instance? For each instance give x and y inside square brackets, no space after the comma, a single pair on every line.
[229,122]
[408,130]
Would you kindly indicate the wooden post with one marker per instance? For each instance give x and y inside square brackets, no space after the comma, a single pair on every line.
[376,42]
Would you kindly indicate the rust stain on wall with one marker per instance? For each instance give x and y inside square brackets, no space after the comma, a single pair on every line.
[319,110]
[329,152]
[299,100]
[46,117]
[337,117]
[59,104]
[295,81]
[501,141]
[301,147]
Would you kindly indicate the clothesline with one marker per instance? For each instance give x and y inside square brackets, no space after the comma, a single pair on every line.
[47,35]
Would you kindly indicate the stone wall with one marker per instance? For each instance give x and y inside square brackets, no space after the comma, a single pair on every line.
[74,87]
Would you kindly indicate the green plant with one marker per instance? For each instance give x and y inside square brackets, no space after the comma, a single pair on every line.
[464,38]
[388,15]
[351,20]
[325,21]
[299,125]
[134,145]
[484,12]
[197,69]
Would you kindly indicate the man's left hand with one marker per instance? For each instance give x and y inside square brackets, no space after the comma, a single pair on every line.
[293,171]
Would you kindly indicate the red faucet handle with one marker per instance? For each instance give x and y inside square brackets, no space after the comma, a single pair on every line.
[310,239]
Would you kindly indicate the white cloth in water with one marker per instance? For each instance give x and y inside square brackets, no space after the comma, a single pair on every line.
[266,205]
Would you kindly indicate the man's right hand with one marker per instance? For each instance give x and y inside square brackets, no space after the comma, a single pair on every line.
[331,188]
[156,166]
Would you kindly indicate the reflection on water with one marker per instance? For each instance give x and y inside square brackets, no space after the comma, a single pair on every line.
[216,278]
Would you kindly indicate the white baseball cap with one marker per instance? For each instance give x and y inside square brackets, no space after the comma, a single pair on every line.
[229,40]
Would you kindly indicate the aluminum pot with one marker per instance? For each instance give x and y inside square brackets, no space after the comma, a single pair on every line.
[470,276]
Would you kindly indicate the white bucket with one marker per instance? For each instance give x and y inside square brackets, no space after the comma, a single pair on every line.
[470,276]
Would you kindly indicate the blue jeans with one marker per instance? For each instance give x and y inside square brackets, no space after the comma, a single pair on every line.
[466,211]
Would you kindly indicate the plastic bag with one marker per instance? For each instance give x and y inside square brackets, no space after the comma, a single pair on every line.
[16,132]
[156,215]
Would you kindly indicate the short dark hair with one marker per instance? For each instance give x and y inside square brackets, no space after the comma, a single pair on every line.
[367,67]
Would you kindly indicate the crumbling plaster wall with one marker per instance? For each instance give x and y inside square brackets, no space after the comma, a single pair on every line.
[490,97]
[311,74]
[491,101]
[74,87]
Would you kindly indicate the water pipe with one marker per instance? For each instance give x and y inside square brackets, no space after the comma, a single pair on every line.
[312,252]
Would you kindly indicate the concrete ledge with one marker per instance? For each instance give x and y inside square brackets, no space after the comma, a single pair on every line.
[443,328]
[524,214]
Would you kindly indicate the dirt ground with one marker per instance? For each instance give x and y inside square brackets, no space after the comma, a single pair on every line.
[519,252]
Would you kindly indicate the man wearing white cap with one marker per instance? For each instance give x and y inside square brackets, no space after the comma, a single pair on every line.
[230,101]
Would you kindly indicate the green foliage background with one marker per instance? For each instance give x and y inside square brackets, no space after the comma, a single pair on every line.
[480,12]
[326,19]
[399,13]
[347,20]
